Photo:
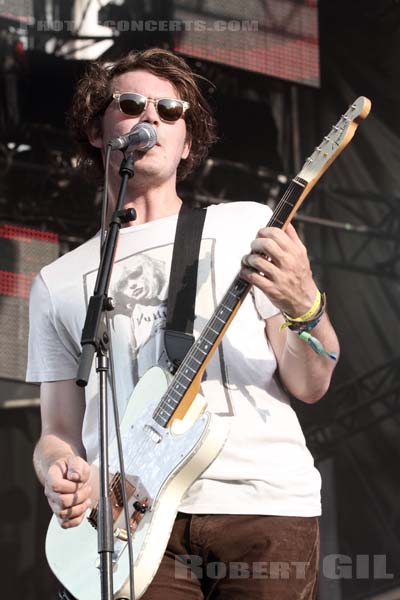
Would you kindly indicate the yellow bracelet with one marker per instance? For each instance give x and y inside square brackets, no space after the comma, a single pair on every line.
[310,312]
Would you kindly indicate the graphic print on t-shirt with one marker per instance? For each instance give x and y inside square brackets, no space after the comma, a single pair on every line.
[140,295]
[139,287]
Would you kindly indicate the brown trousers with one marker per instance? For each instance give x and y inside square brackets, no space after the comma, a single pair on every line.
[239,557]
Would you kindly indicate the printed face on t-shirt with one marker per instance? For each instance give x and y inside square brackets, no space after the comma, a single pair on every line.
[143,282]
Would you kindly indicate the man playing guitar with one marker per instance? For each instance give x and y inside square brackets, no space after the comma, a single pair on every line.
[257,504]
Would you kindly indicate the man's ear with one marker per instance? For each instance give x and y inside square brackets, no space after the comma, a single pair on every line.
[186,148]
[95,133]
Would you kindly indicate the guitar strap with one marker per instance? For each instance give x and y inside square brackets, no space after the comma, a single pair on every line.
[178,335]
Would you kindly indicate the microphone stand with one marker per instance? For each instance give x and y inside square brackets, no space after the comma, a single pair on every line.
[95,339]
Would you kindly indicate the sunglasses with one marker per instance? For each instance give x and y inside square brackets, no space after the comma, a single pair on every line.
[133,105]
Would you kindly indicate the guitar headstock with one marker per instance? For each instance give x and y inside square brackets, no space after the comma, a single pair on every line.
[336,140]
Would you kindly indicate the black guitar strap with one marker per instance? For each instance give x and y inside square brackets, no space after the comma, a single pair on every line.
[178,336]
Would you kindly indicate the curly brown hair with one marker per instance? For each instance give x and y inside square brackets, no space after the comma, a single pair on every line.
[93,95]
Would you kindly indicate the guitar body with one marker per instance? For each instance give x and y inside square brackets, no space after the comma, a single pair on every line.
[160,463]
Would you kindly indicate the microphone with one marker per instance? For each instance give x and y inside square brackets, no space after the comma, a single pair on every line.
[141,137]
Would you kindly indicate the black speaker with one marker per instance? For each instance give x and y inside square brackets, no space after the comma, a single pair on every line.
[24,512]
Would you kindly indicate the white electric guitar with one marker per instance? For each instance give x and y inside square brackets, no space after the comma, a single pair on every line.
[168,437]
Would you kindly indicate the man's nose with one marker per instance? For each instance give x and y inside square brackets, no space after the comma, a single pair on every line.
[150,114]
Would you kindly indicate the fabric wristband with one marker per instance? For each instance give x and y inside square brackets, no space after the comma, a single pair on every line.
[307,315]
[315,344]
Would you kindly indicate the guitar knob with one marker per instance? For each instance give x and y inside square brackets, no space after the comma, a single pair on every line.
[140,508]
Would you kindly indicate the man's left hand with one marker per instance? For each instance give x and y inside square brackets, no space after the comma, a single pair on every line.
[279,266]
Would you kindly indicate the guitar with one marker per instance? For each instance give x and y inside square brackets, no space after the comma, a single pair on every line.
[168,436]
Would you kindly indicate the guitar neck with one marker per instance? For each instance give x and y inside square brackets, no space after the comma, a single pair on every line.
[200,353]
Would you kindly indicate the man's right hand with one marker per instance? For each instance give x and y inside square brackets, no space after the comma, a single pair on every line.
[68,490]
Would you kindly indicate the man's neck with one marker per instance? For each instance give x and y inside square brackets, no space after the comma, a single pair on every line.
[152,203]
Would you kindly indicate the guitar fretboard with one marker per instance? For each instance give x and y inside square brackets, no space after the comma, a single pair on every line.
[207,341]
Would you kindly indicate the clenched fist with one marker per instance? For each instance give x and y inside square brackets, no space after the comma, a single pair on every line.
[68,490]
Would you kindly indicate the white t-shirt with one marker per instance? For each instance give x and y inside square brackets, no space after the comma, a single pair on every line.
[265,466]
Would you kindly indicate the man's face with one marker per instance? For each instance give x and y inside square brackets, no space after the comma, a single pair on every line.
[160,163]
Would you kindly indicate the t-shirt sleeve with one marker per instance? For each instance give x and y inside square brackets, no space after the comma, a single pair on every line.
[263,305]
[51,354]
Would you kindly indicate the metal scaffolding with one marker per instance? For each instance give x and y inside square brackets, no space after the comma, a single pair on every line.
[355,406]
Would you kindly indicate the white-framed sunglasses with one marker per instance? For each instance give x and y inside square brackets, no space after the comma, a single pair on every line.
[134,104]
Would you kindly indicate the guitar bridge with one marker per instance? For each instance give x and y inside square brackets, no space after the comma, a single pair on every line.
[137,499]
